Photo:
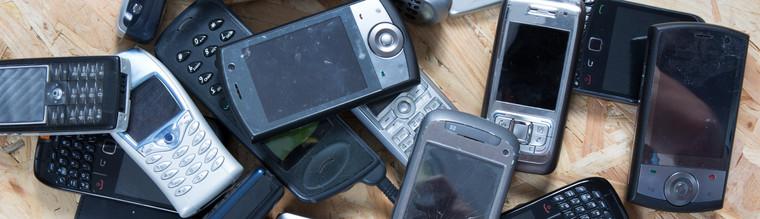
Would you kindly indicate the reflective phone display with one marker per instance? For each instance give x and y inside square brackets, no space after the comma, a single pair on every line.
[532,67]
[152,107]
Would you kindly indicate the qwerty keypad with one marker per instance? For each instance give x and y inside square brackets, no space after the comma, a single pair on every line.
[75,93]
[71,161]
[579,202]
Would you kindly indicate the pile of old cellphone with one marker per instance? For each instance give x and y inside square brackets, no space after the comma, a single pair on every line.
[129,128]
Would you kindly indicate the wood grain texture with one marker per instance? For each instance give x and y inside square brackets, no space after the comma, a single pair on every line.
[456,54]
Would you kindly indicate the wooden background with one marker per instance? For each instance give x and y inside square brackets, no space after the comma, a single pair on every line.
[456,54]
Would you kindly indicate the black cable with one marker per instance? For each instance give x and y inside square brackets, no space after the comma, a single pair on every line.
[389,190]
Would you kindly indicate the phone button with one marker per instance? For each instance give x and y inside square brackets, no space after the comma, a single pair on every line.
[385,40]
[153,159]
[595,44]
[387,119]
[182,190]
[109,148]
[169,174]
[193,168]
[326,165]
[176,182]
[162,166]
[681,188]
[200,177]
[521,131]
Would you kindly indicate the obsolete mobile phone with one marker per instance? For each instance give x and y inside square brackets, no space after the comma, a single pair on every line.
[252,198]
[681,158]
[434,11]
[321,159]
[95,165]
[529,82]
[354,52]
[170,139]
[592,197]
[139,19]
[64,96]
[395,119]
[609,63]
[91,207]
[188,48]
[460,168]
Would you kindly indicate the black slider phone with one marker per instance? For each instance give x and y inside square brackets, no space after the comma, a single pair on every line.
[60,96]
[95,165]
[139,19]
[92,207]
[321,159]
[610,58]
[687,117]
[588,198]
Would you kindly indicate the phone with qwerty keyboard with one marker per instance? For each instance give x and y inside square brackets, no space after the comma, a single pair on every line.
[63,96]
[585,199]
[95,165]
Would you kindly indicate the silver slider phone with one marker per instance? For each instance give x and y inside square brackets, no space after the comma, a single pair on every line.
[529,80]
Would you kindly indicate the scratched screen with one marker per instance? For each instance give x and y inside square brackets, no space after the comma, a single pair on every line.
[305,68]
[451,184]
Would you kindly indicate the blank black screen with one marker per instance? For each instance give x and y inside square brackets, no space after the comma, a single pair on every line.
[304,68]
[694,102]
[133,182]
[629,23]
[152,107]
[452,184]
[532,67]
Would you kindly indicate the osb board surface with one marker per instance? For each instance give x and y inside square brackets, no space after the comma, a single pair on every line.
[456,54]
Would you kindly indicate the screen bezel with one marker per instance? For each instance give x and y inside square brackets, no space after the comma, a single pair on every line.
[601,26]
[246,99]
[174,120]
[650,91]
[45,110]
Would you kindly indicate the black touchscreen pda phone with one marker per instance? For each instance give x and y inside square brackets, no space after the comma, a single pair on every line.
[609,59]
[687,116]
[331,61]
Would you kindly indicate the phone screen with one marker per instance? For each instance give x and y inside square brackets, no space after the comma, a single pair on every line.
[22,94]
[702,75]
[532,68]
[444,185]
[133,182]
[153,106]
[305,68]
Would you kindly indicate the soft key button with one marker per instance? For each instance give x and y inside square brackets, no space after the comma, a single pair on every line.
[199,137]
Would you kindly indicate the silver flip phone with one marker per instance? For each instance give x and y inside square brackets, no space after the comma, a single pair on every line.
[529,81]
[171,141]
[394,120]
[460,168]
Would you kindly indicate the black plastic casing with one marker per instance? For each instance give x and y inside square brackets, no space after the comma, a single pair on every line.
[144,28]
[602,26]
[592,183]
[231,51]
[115,97]
[656,33]
[251,198]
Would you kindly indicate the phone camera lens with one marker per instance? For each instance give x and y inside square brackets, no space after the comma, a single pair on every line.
[231,66]
[505,152]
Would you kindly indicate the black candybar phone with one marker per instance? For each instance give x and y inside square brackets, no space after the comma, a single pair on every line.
[95,165]
[59,96]
[681,157]
[298,72]
[188,48]
[461,167]
[251,198]
[588,198]
[609,61]
[139,19]
[92,207]
[529,81]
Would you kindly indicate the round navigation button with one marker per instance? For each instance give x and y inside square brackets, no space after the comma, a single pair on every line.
[404,107]
[385,40]
[681,188]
